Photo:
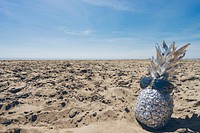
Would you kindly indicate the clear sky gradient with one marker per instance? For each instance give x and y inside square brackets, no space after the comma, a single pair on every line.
[96,29]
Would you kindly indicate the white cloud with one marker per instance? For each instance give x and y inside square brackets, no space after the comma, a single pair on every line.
[114,4]
[78,32]
[86,32]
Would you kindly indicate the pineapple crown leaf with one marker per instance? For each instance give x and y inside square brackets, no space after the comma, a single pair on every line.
[166,60]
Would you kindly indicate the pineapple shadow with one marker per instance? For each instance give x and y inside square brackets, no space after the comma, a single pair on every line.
[189,124]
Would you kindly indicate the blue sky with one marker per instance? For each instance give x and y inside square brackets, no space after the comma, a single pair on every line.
[96,29]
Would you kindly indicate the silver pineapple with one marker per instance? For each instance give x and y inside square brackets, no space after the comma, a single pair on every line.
[154,105]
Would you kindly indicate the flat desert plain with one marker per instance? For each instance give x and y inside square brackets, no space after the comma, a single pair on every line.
[89,96]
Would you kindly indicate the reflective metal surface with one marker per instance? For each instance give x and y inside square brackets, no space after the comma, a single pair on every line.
[153,109]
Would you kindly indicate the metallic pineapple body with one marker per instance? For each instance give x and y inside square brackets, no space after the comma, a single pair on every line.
[154,105]
[153,109]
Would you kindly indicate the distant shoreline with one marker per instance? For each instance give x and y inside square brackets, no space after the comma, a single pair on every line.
[63,59]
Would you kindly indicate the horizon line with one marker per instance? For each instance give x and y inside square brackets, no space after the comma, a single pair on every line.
[15,59]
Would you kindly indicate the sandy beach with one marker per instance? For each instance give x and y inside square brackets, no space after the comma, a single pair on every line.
[88,96]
